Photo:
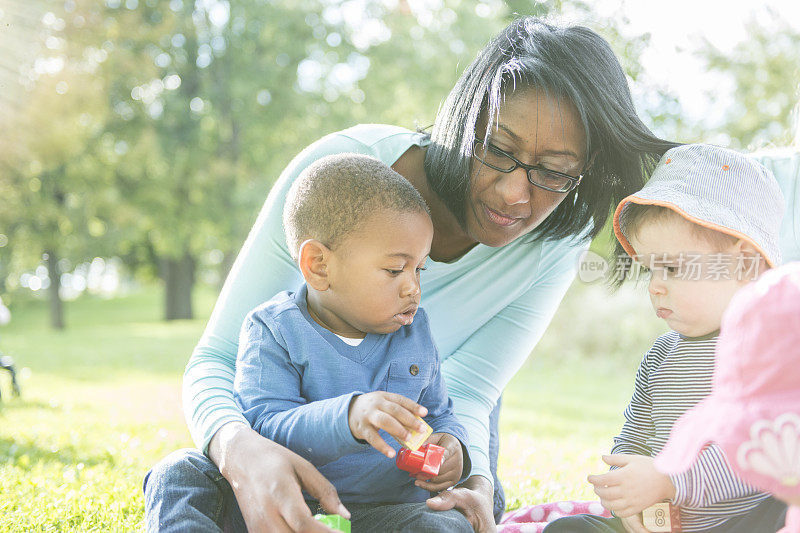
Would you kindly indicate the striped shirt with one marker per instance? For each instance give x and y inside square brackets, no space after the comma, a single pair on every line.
[674,375]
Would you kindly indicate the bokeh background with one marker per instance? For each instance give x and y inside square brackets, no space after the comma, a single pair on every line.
[139,138]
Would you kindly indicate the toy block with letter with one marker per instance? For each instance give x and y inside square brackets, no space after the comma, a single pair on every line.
[662,517]
[425,461]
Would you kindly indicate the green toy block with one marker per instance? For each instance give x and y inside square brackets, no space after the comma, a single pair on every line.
[334,521]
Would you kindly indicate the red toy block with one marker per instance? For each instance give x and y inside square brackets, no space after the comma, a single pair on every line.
[425,461]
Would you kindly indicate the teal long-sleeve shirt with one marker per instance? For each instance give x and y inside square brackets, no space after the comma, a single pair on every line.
[487,310]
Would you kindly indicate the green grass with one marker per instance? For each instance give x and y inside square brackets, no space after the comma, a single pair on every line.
[562,410]
[101,404]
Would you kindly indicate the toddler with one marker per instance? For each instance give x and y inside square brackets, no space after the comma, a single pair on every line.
[704,226]
[753,412]
[338,370]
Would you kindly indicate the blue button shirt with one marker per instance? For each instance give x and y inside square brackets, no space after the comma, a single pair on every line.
[295,379]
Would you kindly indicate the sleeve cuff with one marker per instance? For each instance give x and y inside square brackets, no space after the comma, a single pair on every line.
[203,440]
[480,464]
[681,483]
[466,472]
[342,426]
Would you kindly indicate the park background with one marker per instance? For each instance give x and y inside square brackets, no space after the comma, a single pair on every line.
[139,138]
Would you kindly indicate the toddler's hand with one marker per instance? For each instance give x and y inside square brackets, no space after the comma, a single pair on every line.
[633,487]
[633,524]
[453,464]
[393,413]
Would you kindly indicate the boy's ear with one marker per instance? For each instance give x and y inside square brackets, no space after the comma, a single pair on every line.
[753,264]
[313,258]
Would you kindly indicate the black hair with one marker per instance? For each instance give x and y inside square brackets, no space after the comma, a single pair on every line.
[571,62]
[335,196]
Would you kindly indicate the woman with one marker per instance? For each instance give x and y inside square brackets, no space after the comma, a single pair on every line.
[533,147]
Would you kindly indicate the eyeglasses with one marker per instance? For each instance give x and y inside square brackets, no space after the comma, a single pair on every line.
[550,180]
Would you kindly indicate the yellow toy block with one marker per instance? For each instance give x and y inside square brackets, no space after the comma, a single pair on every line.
[417,438]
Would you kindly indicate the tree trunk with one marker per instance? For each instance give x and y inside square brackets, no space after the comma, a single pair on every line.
[178,276]
[56,306]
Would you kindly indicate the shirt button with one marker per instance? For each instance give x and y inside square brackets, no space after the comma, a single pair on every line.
[413,370]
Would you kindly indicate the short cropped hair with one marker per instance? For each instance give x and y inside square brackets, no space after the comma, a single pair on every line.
[571,62]
[334,196]
[635,216]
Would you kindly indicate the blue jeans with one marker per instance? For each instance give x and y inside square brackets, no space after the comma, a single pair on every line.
[186,492]
[494,451]
[767,517]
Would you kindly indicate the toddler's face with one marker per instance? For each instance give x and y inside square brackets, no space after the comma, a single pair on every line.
[374,275]
[691,281]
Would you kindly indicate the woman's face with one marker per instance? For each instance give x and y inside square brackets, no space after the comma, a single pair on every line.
[537,130]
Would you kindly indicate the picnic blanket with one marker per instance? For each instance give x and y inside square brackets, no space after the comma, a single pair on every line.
[534,518]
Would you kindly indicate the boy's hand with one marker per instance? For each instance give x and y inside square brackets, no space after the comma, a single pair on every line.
[633,487]
[393,413]
[452,466]
[633,524]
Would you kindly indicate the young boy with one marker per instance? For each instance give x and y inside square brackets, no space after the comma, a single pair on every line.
[339,370]
[704,225]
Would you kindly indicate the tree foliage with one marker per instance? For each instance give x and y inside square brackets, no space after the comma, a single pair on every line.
[153,130]
[156,129]
[764,72]
[47,156]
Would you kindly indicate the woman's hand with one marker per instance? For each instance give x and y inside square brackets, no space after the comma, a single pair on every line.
[452,467]
[633,524]
[473,499]
[267,480]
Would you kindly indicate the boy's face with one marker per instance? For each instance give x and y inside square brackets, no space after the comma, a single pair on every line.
[374,275]
[691,281]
